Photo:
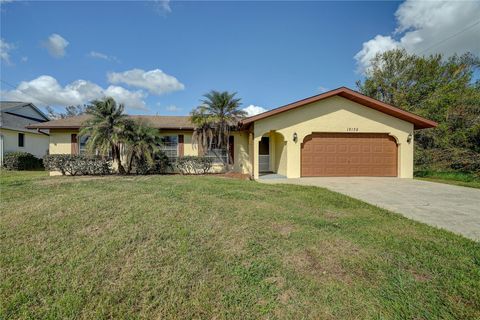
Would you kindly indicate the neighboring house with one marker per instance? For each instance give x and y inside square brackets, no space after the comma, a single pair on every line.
[14,136]
[337,133]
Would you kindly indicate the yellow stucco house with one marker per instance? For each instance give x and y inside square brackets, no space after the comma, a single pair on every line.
[337,133]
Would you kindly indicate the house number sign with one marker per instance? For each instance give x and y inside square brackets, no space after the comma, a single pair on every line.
[352,129]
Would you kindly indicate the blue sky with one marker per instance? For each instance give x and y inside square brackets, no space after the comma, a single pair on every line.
[271,53]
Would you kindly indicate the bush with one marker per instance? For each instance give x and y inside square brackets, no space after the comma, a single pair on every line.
[77,164]
[161,164]
[21,161]
[456,159]
[193,165]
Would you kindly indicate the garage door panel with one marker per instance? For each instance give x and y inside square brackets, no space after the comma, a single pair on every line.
[341,154]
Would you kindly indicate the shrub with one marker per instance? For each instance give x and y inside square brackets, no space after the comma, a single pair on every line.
[161,164]
[21,161]
[77,164]
[193,165]
[456,159]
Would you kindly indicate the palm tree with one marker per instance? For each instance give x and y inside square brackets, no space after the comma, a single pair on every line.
[106,129]
[203,133]
[215,118]
[141,145]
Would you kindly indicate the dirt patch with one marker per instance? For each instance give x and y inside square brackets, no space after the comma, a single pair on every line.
[286,296]
[330,215]
[69,179]
[419,276]
[284,229]
[95,230]
[279,282]
[326,260]
[233,175]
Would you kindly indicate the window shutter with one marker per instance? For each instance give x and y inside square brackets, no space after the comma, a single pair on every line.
[74,143]
[180,145]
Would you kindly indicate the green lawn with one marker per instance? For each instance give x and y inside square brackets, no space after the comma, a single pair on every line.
[217,248]
[455,178]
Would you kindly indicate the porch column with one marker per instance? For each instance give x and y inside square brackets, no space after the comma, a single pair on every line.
[256,142]
[271,151]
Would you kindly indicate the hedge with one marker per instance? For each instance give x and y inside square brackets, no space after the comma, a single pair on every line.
[77,164]
[21,161]
[193,165]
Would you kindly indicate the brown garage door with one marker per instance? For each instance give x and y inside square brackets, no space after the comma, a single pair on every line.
[349,154]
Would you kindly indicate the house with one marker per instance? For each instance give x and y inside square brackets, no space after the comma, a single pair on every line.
[14,136]
[337,133]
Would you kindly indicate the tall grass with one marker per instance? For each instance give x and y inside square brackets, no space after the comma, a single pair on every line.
[466,179]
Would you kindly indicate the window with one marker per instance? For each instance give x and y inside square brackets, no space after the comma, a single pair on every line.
[218,155]
[21,140]
[169,145]
[83,144]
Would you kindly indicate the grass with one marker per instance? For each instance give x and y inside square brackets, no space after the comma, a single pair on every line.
[208,247]
[456,178]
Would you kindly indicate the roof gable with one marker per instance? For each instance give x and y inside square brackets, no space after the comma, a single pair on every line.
[23,109]
[418,121]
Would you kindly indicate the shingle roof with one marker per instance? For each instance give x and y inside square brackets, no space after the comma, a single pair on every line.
[160,122]
[15,115]
[5,105]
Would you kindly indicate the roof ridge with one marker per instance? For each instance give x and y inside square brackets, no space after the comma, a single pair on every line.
[352,95]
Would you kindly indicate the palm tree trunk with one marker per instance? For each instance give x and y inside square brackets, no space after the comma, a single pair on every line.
[121,169]
[130,163]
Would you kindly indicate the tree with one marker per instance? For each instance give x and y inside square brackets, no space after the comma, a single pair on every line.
[70,111]
[141,144]
[203,133]
[439,88]
[214,120]
[106,129]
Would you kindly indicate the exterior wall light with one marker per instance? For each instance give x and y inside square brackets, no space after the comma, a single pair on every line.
[295,137]
[409,138]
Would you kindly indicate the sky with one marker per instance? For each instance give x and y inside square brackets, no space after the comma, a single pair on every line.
[160,57]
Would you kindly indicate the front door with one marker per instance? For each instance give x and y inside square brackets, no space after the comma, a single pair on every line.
[264,155]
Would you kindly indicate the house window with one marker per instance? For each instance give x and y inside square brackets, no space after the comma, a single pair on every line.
[169,145]
[83,144]
[218,155]
[21,140]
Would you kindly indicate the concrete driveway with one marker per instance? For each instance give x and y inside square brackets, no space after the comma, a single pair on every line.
[446,206]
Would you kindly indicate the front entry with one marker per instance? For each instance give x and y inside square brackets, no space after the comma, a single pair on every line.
[348,155]
[264,155]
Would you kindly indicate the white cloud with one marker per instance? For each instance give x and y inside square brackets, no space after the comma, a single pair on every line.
[371,48]
[56,45]
[24,59]
[173,108]
[252,110]
[322,89]
[132,99]
[45,90]
[103,56]
[426,27]
[155,81]
[162,6]
[5,49]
